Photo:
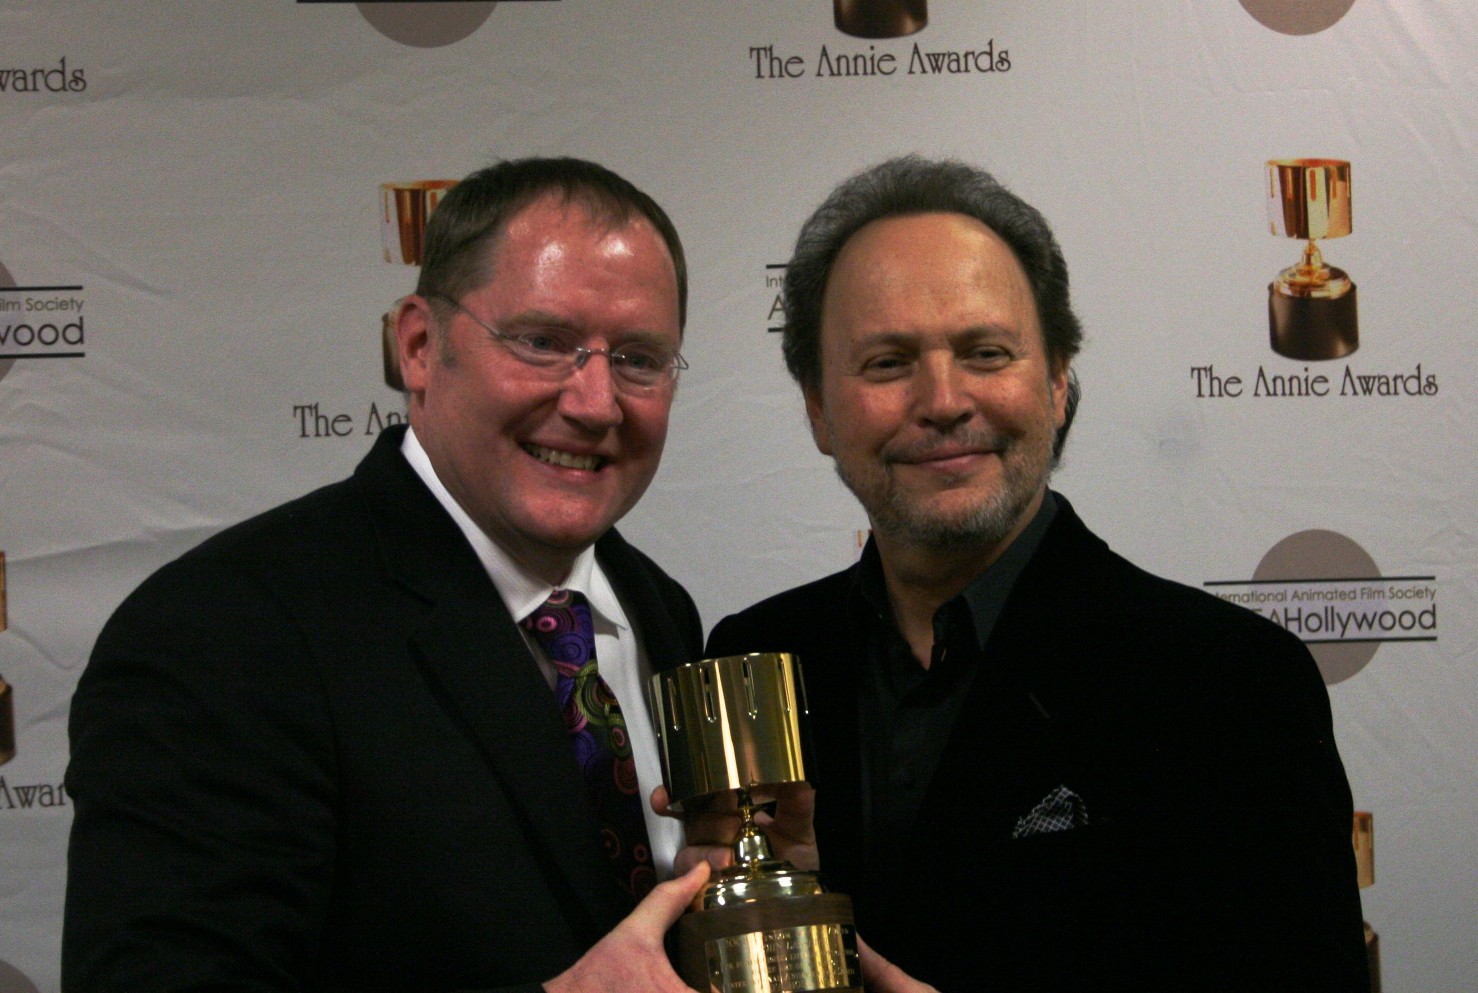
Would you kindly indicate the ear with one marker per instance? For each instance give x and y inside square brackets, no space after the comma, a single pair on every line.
[1058,379]
[817,415]
[415,339]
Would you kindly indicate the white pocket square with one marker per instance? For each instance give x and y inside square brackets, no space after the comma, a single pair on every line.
[1060,810]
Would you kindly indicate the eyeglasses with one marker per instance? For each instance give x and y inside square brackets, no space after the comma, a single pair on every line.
[638,367]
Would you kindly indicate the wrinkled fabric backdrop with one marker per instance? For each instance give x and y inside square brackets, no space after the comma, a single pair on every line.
[192,275]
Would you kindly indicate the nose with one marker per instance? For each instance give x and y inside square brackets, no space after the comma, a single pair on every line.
[588,395]
[939,396]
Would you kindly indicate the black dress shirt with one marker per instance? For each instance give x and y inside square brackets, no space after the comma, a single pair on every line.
[906,711]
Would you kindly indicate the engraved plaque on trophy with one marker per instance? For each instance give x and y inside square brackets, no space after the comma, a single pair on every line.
[736,725]
[1311,305]
[404,210]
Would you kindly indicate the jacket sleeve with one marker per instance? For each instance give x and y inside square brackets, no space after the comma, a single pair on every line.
[202,847]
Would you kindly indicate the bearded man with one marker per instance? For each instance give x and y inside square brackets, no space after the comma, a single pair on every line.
[1038,767]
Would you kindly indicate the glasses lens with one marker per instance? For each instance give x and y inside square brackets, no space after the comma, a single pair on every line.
[642,366]
[541,348]
[638,367]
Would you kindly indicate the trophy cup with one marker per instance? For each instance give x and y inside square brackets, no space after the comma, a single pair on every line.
[7,703]
[404,209]
[880,18]
[761,926]
[1311,306]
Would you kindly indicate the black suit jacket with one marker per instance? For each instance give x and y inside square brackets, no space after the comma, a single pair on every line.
[315,753]
[1217,852]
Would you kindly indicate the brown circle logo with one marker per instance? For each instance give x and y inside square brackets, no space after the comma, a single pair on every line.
[12,980]
[1322,557]
[427,25]
[1297,16]
[6,281]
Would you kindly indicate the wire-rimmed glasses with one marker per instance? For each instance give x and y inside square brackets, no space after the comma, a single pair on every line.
[636,367]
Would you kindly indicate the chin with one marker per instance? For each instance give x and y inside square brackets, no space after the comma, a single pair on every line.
[572,539]
[980,521]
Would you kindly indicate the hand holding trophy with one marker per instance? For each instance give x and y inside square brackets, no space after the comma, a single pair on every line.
[735,726]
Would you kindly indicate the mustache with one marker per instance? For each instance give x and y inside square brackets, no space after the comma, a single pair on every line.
[974,439]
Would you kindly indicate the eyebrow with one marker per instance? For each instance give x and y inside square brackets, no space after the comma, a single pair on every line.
[973,332]
[545,319]
[536,319]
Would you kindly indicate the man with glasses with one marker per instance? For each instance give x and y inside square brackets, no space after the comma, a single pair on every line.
[392,734]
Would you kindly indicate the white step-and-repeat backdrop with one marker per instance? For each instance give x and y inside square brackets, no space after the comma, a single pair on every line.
[192,277]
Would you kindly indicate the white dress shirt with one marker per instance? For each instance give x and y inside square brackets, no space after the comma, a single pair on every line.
[618,648]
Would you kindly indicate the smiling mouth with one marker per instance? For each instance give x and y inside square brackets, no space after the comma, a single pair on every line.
[565,460]
[937,457]
[949,456]
[961,445]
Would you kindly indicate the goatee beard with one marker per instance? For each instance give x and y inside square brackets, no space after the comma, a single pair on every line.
[982,526]
[898,514]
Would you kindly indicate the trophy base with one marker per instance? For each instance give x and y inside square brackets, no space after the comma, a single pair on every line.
[1313,328]
[1372,957]
[804,944]
[7,723]
[880,18]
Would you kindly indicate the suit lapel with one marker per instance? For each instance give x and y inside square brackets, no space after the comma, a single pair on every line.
[831,671]
[1011,741]
[646,609]
[1002,756]
[473,656]
[832,695]
[470,650]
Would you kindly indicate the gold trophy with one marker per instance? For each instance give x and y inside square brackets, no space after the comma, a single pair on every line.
[7,703]
[1311,306]
[880,18]
[404,210]
[761,926]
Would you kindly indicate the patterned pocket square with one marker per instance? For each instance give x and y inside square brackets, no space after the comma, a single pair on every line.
[1060,810]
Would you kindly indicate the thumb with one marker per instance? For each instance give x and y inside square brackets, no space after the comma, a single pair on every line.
[662,803]
[661,908]
[881,976]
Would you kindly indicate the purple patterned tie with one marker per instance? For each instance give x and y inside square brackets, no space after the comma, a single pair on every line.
[563,628]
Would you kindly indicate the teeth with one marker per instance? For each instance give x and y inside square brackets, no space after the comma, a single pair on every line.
[566,460]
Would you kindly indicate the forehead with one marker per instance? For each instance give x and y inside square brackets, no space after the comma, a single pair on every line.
[556,259]
[552,224]
[926,272]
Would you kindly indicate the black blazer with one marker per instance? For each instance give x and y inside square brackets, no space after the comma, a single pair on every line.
[1216,853]
[315,753]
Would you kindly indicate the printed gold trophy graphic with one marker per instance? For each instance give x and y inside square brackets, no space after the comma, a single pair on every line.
[1311,306]
[735,725]
[7,702]
[1364,838]
[404,209]
[880,18]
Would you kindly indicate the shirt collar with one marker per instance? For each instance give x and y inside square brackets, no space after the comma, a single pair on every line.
[985,596]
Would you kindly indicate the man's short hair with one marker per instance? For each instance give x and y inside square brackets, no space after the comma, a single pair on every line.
[463,230]
[916,185]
